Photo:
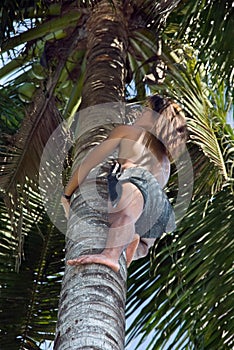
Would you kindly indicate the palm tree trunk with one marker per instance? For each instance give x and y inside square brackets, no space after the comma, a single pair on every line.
[92,302]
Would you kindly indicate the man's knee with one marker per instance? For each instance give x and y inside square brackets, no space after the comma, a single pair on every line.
[143,248]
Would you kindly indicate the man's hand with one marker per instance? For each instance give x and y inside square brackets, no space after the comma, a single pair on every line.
[66,206]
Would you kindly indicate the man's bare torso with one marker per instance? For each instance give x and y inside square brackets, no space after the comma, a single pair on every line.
[140,149]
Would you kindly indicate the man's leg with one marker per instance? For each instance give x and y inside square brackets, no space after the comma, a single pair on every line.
[143,247]
[122,231]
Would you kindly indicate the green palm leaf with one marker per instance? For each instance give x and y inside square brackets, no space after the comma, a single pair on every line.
[29,298]
[208,26]
[207,109]
[189,283]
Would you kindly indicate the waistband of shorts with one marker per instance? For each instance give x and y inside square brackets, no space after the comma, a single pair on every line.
[138,171]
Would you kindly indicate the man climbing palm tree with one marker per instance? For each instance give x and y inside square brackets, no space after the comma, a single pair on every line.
[139,210]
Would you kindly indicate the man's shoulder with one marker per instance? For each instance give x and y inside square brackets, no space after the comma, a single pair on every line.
[122,130]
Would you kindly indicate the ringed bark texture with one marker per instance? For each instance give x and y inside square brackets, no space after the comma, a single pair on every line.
[92,302]
[106,55]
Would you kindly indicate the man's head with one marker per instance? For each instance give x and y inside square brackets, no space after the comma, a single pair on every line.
[170,125]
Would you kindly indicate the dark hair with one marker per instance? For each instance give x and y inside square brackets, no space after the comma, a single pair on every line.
[157,103]
[172,130]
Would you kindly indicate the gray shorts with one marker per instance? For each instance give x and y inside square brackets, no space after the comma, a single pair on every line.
[158,216]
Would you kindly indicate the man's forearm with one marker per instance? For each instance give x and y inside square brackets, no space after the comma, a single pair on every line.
[72,184]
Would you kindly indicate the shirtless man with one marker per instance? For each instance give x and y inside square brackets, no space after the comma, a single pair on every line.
[143,153]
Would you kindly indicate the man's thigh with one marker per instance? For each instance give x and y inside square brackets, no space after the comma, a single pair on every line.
[130,204]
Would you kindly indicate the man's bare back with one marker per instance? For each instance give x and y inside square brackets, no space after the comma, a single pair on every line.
[141,149]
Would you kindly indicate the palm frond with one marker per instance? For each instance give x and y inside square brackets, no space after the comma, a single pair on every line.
[29,298]
[155,13]
[190,282]
[207,109]
[207,26]
[29,126]
[10,121]
[189,267]
[20,160]
[29,143]
[54,25]
[138,65]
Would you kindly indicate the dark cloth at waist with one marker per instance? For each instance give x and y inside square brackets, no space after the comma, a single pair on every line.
[158,215]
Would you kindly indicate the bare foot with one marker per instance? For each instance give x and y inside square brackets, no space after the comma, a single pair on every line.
[95,259]
[131,249]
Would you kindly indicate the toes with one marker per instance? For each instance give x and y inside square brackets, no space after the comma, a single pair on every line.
[94,259]
[81,260]
[73,262]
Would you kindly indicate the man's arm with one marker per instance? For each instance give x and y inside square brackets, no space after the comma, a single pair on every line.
[95,157]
